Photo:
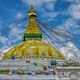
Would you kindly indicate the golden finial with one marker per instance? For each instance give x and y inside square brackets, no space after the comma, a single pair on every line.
[32,12]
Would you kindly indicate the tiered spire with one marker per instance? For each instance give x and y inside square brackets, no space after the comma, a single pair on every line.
[32,32]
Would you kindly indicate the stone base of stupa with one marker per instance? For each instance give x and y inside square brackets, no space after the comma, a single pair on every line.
[39,69]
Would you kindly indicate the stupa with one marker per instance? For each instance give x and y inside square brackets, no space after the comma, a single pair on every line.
[32,46]
[34,59]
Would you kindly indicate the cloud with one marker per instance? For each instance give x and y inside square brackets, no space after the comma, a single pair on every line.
[14,35]
[75,11]
[71,26]
[36,2]
[3,40]
[33,2]
[68,24]
[50,15]
[47,10]
[19,15]
[77,31]
[45,7]
[4,48]
[50,5]
[74,1]
[15,32]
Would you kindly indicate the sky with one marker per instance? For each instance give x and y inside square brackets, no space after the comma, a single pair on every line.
[64,14]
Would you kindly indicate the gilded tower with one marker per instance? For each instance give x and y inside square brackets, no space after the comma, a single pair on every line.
[32,32]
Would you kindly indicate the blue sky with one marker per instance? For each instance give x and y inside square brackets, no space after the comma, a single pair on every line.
[56,13]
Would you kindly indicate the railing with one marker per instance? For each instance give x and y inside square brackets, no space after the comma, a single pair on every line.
[35,56]
[70,79]
[26,77]
[41,77]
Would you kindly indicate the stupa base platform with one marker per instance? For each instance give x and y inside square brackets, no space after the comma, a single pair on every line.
[39,69]
[25,77]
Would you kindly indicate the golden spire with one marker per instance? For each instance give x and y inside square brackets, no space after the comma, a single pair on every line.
[32,32]
[32,12]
